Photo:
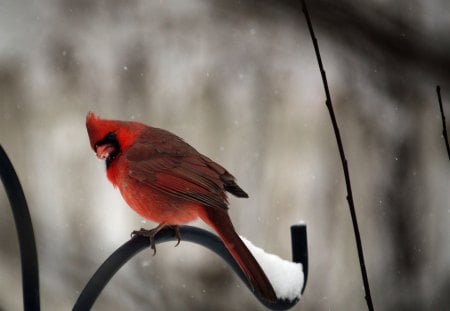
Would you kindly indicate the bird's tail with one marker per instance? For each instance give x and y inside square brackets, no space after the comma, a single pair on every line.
[219,220]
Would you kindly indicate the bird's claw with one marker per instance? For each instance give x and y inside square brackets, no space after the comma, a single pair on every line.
[177,234]
[150,234]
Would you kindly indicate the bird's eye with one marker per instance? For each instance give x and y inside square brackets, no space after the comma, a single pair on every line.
[111,136]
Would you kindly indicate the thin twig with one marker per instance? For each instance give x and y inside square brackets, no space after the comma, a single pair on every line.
[343,160]
[444,126]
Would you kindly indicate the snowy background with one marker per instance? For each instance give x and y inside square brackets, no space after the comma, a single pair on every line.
[238,80]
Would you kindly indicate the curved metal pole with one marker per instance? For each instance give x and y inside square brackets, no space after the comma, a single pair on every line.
[191,234]
[27,244]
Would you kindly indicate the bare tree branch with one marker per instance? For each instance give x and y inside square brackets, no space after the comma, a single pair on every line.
[444,125]
[343,160]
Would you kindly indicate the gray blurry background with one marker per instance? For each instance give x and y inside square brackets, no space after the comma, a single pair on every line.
[238,80]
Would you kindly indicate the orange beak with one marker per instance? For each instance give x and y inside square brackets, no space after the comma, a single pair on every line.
[104,151]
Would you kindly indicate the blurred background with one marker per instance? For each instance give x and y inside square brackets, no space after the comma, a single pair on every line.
[239,81]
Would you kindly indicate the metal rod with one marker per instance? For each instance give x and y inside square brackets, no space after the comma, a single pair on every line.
[27,244]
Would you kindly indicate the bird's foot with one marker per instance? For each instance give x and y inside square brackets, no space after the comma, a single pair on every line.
[150,234]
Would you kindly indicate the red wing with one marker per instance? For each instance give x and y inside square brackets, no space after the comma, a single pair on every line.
[178,170]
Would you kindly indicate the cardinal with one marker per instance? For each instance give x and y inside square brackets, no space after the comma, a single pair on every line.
[165,180]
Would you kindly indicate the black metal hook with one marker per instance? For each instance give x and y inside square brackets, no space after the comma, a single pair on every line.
[27,244]
[196,235]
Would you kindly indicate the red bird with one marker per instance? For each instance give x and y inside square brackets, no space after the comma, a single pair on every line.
[167,181]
